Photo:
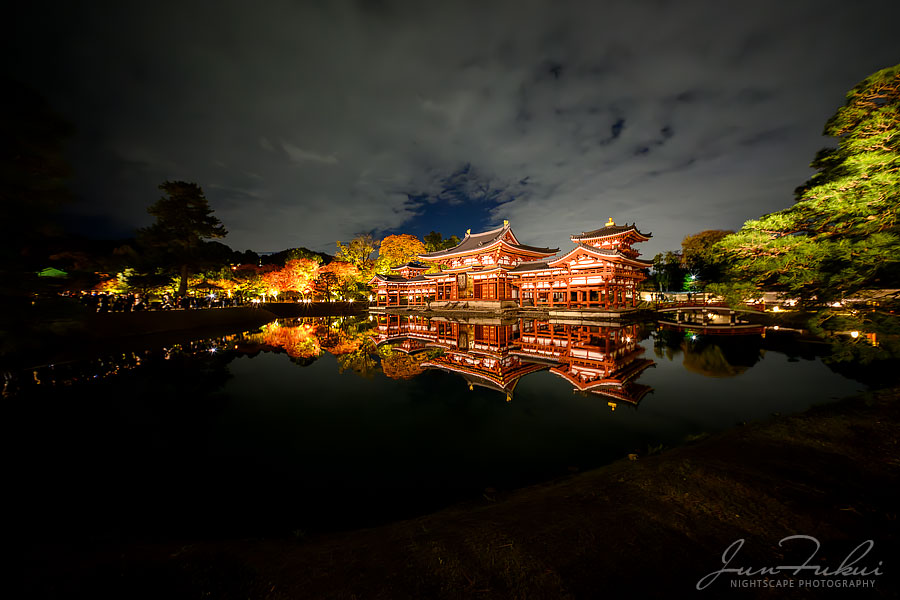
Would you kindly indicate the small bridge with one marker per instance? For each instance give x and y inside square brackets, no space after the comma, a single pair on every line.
[716,307]
[718,319]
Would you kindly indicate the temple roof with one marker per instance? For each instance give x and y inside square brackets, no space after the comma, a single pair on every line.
[413,264]
[389,277]
[477,241]
[602,252]
[609,230]
[535,265]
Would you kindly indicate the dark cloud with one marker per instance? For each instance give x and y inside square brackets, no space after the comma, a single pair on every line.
[307,122]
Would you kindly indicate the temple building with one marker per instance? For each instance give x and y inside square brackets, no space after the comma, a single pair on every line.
[473,274]
[602,271]
[493,270]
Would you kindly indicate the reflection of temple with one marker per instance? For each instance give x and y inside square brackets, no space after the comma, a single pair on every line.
[602,360]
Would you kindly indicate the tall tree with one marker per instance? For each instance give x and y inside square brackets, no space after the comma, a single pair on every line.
[698,255]
[183,221]
[667,272]
[341,277]
[358,252]
[398,249]
[434,242]
[843,234]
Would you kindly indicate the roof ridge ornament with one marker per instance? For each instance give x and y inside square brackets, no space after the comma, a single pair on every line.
[610,223]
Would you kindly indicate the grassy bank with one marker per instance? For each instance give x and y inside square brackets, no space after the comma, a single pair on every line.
[648,527]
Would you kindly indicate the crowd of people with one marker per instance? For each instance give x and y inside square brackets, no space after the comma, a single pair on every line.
[103,302]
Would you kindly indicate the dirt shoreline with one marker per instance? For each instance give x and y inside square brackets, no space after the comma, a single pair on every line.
[643,528]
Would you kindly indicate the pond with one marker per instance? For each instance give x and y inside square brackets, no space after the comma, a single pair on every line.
[341,422]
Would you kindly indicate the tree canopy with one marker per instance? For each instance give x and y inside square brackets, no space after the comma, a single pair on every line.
[358,252]
[667,272]
[842,235]
[434,242]
[399,249]
[698,255]
[298,275]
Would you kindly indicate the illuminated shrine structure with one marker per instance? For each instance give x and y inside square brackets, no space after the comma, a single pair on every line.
[494,271]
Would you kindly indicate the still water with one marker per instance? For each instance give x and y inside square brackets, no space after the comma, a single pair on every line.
[331,423]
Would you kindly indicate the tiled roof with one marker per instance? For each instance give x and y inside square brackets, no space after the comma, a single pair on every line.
[480,240]
[413,264]
[608,231]
[530,266]
[601,251]
[390,277]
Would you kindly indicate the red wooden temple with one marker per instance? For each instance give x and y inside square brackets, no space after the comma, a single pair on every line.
[493,270]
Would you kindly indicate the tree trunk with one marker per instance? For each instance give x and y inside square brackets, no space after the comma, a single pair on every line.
[182,285]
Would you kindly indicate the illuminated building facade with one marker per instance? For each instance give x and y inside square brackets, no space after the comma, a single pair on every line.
[602,271]
[474,274]
[493,270]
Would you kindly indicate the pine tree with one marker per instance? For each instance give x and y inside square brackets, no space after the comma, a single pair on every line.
[183,220]
[842,235]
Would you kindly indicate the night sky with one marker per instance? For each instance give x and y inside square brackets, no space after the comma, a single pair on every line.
[309,122]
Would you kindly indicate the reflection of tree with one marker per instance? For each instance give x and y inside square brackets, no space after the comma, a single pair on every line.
[667,342]
[726,356]
[363,360]
[298,341]
[867,357]
[709,361]
[399,365]
[304,340]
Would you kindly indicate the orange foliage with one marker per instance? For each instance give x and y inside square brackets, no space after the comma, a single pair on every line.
[343,271]
[298,275]
[299,341]
[398,365]
[398,249]
[343,346]
[110,285]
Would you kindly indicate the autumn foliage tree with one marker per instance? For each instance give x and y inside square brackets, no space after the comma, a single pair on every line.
[339,277]
[298,275]
[358,252]
[397,250]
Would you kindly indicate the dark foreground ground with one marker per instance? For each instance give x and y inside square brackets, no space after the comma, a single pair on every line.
[650,527]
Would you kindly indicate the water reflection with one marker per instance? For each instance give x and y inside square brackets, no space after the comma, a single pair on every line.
[709,355]
[288,425]
[603,360]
